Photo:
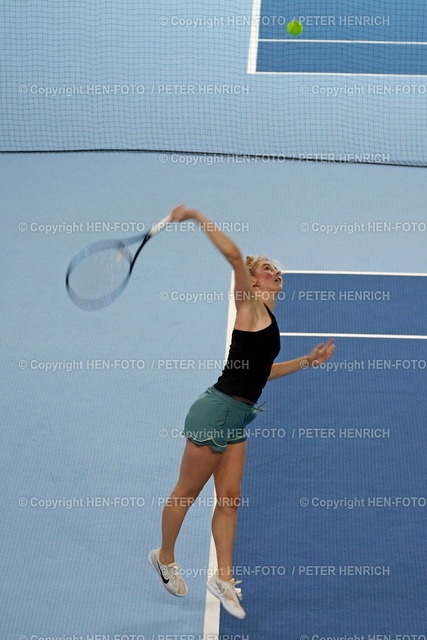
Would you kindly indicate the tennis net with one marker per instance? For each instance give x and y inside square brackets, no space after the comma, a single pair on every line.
[217,78]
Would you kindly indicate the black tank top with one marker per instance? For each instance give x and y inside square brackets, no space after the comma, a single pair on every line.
[249,361]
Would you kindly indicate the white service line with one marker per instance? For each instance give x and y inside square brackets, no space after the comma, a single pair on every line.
[362,273]
[339,41]
[342,73]
[212,606]
[357,335]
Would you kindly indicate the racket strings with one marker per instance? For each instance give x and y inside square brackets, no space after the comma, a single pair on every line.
[96,279]
[97,275]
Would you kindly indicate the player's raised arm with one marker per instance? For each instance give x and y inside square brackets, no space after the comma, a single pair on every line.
[243,289]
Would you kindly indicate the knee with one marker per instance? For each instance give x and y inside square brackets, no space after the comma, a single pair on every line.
[192,494]
[230,498]
[189,493]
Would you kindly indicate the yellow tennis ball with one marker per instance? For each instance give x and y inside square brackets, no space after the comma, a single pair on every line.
[295,28]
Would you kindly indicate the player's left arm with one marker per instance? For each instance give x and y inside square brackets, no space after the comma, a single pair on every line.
[318,355]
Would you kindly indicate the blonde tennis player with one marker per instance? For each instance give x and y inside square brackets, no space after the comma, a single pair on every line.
[215,424]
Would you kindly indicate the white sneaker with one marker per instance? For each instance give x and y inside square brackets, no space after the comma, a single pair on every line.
[169,573]
[228,594]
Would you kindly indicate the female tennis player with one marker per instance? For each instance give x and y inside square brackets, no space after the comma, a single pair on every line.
[215,424]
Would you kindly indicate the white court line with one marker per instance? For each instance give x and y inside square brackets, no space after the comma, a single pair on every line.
[343,73]
[253,41]
[339,41]
[212,606]
[357,335]
[362,273]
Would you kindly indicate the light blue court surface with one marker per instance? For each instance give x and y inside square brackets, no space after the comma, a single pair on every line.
[93,404]
[381,38]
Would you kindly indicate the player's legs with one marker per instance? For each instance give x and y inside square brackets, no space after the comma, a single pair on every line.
[228,476]
[197,465]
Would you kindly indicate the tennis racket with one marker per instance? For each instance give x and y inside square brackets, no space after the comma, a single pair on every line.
[99,274]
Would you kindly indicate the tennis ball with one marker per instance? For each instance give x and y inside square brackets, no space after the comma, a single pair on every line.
[295,28]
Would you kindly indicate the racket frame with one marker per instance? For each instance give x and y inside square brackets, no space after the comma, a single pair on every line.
[91,304]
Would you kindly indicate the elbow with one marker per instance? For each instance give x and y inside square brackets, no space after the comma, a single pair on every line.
[233,256]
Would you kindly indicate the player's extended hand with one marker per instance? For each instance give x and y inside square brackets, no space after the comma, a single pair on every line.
[321,353]
[180,213]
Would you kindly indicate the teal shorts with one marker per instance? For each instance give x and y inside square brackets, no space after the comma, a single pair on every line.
[216,419]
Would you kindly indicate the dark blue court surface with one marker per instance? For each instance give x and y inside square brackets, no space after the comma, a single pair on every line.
[331,532]
[362,304]
[380,38]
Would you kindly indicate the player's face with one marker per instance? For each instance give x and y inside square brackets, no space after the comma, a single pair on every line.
[268,277]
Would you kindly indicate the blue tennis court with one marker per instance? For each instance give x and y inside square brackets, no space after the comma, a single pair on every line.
[347,544]
[331,527]
[200,104]
[362,38]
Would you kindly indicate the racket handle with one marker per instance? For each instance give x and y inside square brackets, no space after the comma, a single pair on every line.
[159,225]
